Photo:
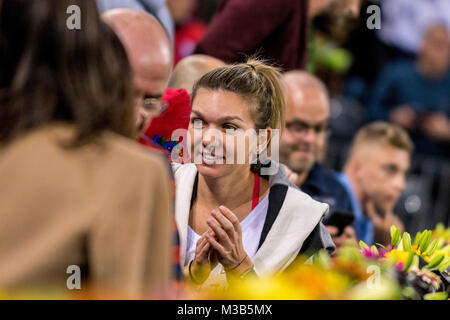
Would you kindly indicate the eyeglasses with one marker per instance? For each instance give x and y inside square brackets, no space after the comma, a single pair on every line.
[300,127]
[153,105]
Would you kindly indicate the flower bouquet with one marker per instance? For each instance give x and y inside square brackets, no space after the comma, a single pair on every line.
[421,266]
[405,269]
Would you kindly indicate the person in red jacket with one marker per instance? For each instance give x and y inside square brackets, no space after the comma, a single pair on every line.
[276,30]
[158,135]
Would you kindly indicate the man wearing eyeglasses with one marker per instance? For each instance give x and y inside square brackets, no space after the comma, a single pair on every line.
[303,142]
[150,53]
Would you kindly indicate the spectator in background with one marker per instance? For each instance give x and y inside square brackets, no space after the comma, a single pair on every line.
[150,53]
[160,132]
[303,140]
[156,8]
[74,190]
[374,176]
[151,57]
[177,115]
[188,29]
[416,94]
[191,69]
[403,27]
[274,29]
[406,22]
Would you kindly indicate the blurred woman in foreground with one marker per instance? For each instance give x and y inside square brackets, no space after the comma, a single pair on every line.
[77,198]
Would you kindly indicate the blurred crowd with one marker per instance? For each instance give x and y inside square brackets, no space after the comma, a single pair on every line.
[98,171]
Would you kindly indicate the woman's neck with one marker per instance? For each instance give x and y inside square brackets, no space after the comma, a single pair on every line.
[232,191]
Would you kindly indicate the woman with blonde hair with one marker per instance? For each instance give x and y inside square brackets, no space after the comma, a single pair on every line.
[235,219]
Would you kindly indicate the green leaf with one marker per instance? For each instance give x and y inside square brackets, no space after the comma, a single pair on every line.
[406,241]
[322,259]
[444,264]
[441,243]
[440,228]
[417,238]
[374,250]
[363,245]
[436,261]
[396,237]
[409,261]
[390,262]
[425,241]
[416,262]
[410,294]
[446,249]
[436,296]
[432,247]
[393,229]
[380,245]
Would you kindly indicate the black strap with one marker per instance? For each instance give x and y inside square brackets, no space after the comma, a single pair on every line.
[147,7]
[194,191]
[277,195]
[313,243]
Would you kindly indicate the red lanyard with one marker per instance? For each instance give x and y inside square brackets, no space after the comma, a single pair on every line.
[256,189]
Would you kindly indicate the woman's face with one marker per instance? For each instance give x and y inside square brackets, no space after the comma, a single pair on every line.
[220,142]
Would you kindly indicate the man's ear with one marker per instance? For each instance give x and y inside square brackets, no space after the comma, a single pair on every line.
[352,166]
[358,165]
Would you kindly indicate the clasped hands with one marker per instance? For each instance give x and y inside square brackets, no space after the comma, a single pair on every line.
[222,243]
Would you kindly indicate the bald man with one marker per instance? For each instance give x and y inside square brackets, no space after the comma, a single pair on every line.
[150,53]
[191,69]
[302,143]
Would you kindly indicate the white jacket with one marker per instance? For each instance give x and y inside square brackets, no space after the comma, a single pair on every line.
[293,223]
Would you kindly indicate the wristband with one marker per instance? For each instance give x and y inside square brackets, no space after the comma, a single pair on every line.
[235,267]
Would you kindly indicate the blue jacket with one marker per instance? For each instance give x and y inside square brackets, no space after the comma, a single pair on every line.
[323,185]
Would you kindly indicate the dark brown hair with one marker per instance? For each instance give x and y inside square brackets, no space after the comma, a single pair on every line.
[51,73]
